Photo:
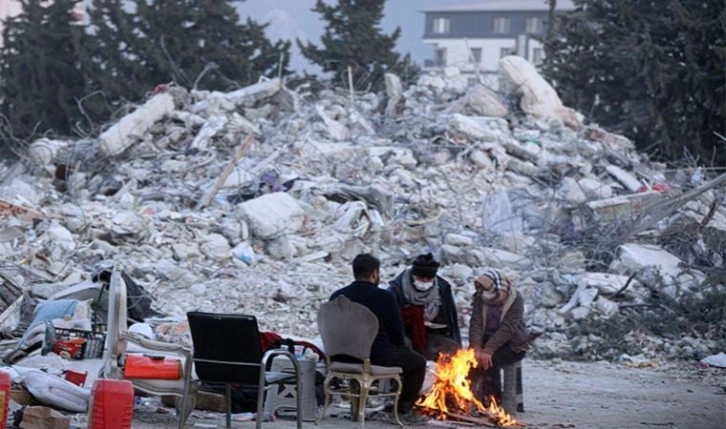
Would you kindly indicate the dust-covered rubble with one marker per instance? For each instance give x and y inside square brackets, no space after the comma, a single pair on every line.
[592,231]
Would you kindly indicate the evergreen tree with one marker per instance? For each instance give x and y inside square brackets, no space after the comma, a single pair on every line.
[39,69]
[137,45]
[353,38]
[652,70]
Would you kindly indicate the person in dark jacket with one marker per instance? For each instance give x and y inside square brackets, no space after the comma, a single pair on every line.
[497,332]
[427,307]
[389,347]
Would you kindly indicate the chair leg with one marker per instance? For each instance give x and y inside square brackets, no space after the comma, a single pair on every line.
[298,394]
[228,401]
[399,387]
[187,391]
[362,401]
[354,392]
[261,387]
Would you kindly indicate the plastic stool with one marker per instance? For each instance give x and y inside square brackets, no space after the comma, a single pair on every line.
[512,390]
[281,400]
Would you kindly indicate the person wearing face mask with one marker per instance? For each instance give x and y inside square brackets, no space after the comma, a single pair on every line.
[497,332]
[389,347]
[427,308]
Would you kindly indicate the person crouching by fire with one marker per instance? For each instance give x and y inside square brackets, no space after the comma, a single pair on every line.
[497,332]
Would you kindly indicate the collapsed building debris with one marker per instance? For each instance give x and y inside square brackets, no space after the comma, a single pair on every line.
[255,201]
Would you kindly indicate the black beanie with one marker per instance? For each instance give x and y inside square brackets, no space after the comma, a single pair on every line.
[425,266]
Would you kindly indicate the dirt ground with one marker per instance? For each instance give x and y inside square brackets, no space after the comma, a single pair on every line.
[571,395]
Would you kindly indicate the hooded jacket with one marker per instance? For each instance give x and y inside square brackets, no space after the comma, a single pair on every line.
[511,330]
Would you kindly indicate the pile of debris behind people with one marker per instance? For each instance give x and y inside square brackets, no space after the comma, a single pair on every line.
[255,201]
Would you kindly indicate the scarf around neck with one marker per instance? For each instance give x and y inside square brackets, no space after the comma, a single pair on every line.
[493,280]
[430,299]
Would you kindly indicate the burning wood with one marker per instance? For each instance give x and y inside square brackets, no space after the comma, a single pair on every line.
[451,396]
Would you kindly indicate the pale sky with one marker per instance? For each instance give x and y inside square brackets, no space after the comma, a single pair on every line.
[294,19]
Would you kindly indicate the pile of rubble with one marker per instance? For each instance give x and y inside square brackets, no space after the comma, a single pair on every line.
[256,200]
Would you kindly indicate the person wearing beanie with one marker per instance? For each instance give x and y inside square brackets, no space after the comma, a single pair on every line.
[497,332]
[427,308]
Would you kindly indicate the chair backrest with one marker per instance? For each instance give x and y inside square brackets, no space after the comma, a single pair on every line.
[347,328]
[116,322]
[115,325]
[232,338]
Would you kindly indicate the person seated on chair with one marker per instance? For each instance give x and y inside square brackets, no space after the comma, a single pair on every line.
[389,347]
[427,308]
[497,332]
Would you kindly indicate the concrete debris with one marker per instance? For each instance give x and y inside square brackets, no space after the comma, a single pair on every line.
[394,92]
[477,128]
[625,178]
[272,214]
[204,219]
[480,100]
[135,125]
[539,99]
[718,360]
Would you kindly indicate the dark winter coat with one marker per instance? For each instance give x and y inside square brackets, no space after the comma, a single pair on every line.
[511,329]
[447,308]
[382,304]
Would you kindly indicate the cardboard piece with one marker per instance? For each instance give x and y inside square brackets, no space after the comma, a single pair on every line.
[44,418]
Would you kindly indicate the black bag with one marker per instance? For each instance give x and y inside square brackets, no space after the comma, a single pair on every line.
[138,300]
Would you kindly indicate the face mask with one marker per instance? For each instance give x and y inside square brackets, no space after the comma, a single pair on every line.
[423,286]
[489,294]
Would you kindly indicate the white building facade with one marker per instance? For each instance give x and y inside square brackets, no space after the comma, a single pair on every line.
[474,37]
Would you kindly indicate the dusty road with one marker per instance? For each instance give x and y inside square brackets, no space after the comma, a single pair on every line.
[581,395]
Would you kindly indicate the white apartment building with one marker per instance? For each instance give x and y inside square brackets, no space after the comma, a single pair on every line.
[473,37]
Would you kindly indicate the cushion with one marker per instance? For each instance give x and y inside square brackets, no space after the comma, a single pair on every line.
[56,392]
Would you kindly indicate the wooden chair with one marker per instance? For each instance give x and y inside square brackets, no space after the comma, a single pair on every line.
[119,342]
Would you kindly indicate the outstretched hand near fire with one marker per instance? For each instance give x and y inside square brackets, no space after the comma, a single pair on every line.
[484,359]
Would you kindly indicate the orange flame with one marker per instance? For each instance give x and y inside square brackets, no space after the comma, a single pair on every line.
[503,419]
[452,392]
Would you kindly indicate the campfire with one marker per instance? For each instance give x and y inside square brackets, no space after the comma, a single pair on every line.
[451,397]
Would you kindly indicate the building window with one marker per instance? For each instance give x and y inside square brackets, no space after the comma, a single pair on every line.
[440,57]
[537,55]
[505,52]
[501,26]
[441,25]
[533,25]
[476,55]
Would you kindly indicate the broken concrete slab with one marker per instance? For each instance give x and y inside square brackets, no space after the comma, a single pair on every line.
[394,91]
[476,128]
[539,99]
[480,100]
[610,284]
[134,126]
[499,215]
[272,214]
[625,178]
[570,191]
[594,189]
[634,256]
[623,206]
